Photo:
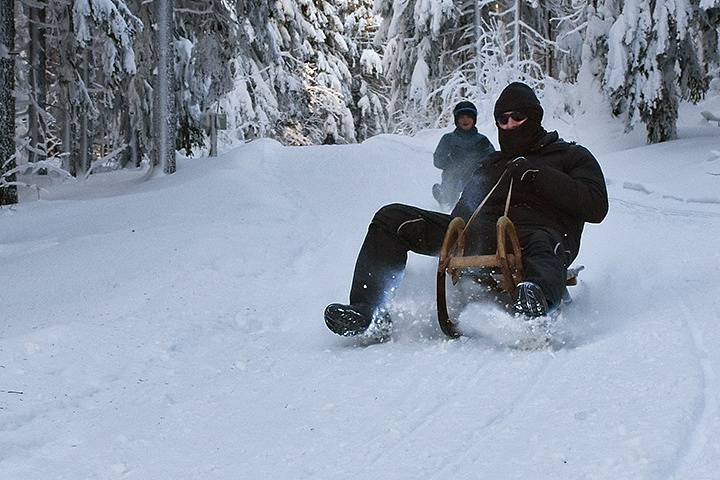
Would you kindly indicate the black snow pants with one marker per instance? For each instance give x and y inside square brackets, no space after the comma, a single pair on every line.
[397,229]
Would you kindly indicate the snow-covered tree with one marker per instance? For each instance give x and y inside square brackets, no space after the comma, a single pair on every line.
[439,52]
[258,73]
[652,62]
[509,42]
[329,56]
[207,43]
[37,63]
[593,57]
[299,71]
[313,34]
[88,47]
[364,59]
[708,31]
[8,191]
[371,117]
[418,36]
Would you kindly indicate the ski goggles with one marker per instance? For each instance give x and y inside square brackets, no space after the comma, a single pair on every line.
[504,118]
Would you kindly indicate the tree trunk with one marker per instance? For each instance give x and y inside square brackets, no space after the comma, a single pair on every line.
[85,143]
[164,115]
[127,132]
[67,134]
[516,34]
[549,47]
[8,194]
[38,84]
[66,109]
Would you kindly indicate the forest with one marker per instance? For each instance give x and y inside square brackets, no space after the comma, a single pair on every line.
[192,190]
[91,85]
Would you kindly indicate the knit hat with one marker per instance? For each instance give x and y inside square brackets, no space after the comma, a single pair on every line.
[465,108]
[518,97]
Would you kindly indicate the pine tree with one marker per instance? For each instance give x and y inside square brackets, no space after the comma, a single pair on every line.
[709,37]
[364,59]
[440,52]
[594,53]
[317,45]
[207,45]
[260,76]
[89,52]
[652,63]
[418,55]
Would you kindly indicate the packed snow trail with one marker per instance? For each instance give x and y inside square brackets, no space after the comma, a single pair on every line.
[173,329]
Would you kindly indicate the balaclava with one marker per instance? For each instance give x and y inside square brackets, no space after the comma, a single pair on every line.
[518,97]
[465,108]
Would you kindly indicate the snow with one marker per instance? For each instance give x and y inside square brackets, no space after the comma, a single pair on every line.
[432,14]
[418,89]
[118,20]
[172,327]
[371,62]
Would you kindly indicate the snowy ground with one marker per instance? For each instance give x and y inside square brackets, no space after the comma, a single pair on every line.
[172,328]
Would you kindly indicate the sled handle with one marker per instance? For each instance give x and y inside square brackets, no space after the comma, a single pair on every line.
[451,244]
[506,229]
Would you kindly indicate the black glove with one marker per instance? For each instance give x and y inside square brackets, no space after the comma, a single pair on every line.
[522,170]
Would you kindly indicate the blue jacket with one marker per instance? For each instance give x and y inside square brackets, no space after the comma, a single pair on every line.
[462,150]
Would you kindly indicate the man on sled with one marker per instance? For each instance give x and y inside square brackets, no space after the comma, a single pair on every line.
[556,187]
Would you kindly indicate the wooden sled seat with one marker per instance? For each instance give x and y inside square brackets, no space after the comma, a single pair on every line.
[502,271]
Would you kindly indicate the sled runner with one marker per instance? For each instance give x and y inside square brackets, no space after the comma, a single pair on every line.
[500,272]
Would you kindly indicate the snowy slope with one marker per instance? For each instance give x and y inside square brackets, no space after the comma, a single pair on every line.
[172,328]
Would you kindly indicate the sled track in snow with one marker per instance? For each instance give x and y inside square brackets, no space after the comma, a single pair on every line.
[495,422]
[426,416]
[630,206]
[706,406]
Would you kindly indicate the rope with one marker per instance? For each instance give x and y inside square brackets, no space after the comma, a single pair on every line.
[507,200]
[482,204]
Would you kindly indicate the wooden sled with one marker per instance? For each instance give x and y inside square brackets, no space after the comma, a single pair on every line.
[505,266]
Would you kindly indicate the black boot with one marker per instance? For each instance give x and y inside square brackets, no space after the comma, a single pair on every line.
[530,300]
[350,320]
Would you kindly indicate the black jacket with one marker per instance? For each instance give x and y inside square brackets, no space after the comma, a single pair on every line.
[568,190]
